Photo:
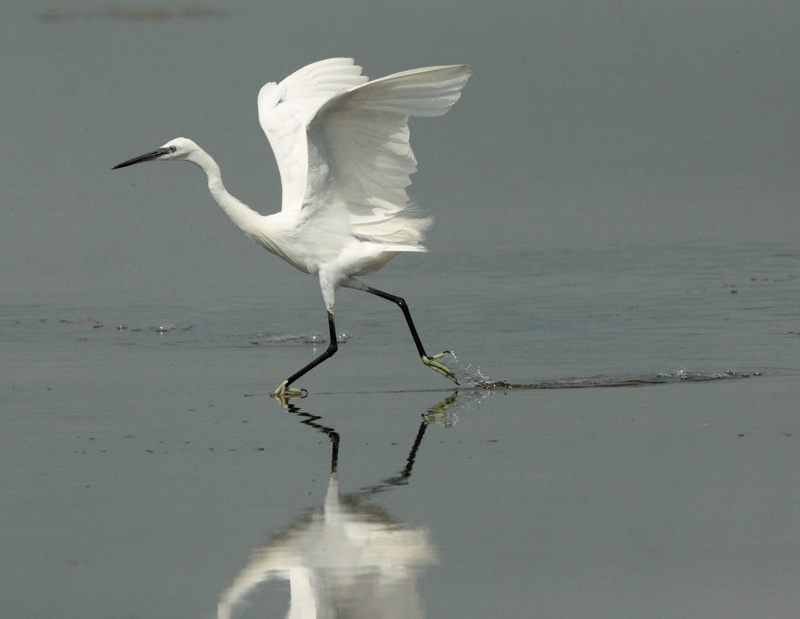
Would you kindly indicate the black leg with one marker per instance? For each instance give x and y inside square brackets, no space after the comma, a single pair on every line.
[332,348]
[431,362]
[401,303]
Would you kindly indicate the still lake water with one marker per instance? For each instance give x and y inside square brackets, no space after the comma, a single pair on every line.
[615,263]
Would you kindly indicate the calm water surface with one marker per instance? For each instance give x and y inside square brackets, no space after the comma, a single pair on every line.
[616,239]
[148,472]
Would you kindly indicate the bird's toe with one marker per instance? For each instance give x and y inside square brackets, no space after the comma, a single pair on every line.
[433,364]
[284,392]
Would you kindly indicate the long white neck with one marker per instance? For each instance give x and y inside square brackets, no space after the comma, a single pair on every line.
[238,212]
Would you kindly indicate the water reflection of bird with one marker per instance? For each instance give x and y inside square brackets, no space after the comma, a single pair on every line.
[349,558]
[342,147]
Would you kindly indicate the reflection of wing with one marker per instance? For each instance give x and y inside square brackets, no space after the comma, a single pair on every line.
[341,557]
[285,109]
[359,146]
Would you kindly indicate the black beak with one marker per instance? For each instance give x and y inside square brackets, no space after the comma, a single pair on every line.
[148,157]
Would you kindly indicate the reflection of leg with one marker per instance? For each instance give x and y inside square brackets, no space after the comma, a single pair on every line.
[431,362]
[402,478]
[283,390]
[311,421]
[436,414]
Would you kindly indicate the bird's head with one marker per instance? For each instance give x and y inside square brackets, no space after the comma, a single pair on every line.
[179,149]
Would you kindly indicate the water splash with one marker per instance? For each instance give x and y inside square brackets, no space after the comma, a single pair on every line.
[468,376]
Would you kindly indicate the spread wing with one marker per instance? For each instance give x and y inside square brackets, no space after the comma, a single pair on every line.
[285,109]
[358,148]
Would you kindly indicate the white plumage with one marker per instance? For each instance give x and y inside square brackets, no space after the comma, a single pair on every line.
[342,147]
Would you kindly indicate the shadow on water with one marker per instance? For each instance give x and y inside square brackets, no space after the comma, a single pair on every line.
[349,555]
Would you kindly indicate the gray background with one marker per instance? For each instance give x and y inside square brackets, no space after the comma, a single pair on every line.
[585,123]
[616,203]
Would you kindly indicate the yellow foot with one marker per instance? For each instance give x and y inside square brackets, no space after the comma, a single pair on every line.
[433,363]
[284,393]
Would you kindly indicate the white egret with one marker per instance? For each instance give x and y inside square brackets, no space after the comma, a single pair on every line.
[342,147]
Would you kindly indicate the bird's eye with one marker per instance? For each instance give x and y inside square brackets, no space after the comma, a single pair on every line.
[172,149]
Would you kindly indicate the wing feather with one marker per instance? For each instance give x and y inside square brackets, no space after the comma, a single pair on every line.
[359,149]
[285,109]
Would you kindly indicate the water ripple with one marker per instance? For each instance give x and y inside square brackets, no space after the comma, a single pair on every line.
[625,380]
